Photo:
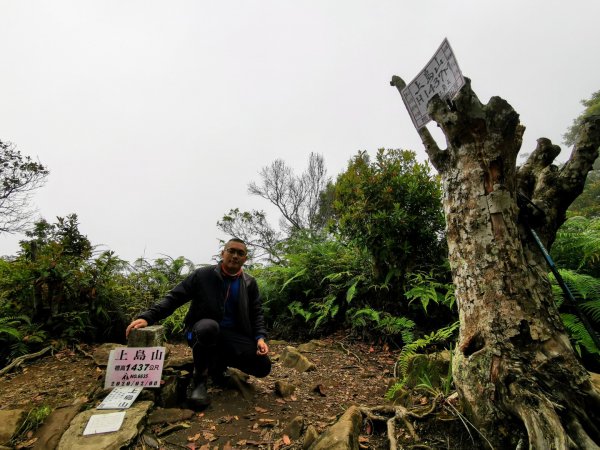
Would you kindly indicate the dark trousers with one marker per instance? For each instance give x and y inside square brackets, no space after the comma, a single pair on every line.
[215,348]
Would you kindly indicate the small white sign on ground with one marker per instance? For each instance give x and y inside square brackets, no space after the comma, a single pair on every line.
[120,398]
[440,76]
[104,423]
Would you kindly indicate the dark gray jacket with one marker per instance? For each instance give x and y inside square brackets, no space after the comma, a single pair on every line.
[205,288]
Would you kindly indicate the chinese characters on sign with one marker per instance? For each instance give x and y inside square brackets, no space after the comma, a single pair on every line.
[135,367]
[120,398]
[440,76]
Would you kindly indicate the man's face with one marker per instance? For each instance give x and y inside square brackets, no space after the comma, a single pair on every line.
[234,256]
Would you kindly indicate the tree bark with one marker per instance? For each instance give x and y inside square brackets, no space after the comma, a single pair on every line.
[514,367]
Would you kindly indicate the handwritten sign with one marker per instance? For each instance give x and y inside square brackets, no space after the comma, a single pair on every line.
[440,76]
[120,398]
[135,367]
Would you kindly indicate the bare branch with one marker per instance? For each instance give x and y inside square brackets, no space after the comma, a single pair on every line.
[437,156]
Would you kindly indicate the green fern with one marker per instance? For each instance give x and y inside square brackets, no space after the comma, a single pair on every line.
[297,309]
[440,336]
[423,287]
[586,292]
[384,322]
[9,326]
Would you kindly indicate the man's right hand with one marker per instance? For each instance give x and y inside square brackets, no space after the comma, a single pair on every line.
[137,323]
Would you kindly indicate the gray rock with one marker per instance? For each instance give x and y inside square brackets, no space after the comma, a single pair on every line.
[132,426]
[152,336]
[310,435]
[54,426]
[239,380]
[10,421]
[284,389]
[311,347]
[102,352]
[291,357]
[294,428]
[342,435]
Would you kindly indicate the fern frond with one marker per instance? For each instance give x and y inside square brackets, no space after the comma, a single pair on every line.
[579,333]
[439,336]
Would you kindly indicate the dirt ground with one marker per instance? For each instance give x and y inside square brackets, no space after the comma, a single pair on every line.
[347,373]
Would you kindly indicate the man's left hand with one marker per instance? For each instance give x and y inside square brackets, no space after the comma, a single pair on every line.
[261,347]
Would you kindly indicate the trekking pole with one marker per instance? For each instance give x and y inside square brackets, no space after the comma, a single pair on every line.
[571,299]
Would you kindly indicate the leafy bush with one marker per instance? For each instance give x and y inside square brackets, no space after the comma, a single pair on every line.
[315,285]
[391,207]
[58,284]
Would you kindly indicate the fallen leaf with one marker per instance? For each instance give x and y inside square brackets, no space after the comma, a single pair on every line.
[227,446]
[209,436]
[260,410]
[267,422]
[286,439]
[194,438]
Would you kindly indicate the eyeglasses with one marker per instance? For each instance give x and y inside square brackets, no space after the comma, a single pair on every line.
[235,251]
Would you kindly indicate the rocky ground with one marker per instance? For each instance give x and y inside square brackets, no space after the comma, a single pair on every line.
[345,373]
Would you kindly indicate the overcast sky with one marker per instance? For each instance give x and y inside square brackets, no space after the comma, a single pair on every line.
[154,116]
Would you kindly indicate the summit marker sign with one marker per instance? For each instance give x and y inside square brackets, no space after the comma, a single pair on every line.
[440,76]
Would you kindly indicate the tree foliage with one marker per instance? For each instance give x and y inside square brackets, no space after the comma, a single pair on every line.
[299,199]
[254,229]
[56,281]
[325,284]
[19,177]
[592,107]
[391,206]
[296,197]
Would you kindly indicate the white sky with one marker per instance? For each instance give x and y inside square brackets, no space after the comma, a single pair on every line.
[154,116]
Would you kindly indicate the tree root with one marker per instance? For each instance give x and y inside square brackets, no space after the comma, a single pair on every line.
[21,359]
[390,414]
[348,352]
[549,425]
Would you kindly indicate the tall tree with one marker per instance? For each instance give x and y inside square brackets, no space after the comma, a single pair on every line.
[255,230]
[19,177]
[514,368]
[296,197]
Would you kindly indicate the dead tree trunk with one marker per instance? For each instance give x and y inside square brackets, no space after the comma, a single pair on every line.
[514,367]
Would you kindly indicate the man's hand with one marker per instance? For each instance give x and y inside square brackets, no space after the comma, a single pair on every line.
[137,323]
[261,347]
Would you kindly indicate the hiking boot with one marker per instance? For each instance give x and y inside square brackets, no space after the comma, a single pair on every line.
[199,394]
